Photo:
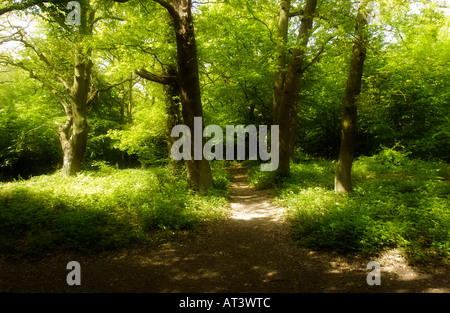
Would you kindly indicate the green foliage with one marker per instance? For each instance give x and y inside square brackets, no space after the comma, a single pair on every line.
[311,173]
[406,88]
[261,180]
[404,97]
[236,58]
[28,142]
[99,210]
[144,138]
[398,202]
[221,177]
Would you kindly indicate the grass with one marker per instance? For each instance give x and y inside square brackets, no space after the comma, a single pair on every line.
[103,209]
[396,203]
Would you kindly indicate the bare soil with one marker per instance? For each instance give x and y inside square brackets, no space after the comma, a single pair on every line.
[252,251]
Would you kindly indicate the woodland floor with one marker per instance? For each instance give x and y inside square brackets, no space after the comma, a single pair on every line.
[250,252]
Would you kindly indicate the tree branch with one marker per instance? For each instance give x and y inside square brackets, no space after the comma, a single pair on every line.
[297,13]
[260,21]
[28,43]
[168,7]
[33,75]
[163,3]
[107,18]
[95,92]
[160,79]
[20,6]
[319,53]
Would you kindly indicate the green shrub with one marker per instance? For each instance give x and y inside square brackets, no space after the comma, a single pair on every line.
[261,180]
[99,210]
[221,177]
[397,202]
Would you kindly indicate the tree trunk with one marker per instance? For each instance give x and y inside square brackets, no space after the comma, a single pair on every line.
[288,106]
[198,171]
[73,135]
[280,71]
[73,150]
[343,182]
[74,138]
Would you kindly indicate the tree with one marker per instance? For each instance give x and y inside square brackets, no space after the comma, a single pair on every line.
[199,173]
[286,110]
[66,71]
[343,182]
[74,96]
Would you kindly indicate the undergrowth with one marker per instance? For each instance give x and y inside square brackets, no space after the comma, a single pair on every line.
[103,209]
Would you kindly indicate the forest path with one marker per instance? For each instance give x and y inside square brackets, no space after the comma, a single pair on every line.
[252,251]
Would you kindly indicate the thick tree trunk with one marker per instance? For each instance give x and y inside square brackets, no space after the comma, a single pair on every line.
[288,106]
[343,182]
[198,171]
[74,149]
[74,133]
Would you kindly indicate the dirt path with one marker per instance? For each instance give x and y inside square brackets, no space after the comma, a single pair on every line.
[252,251]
